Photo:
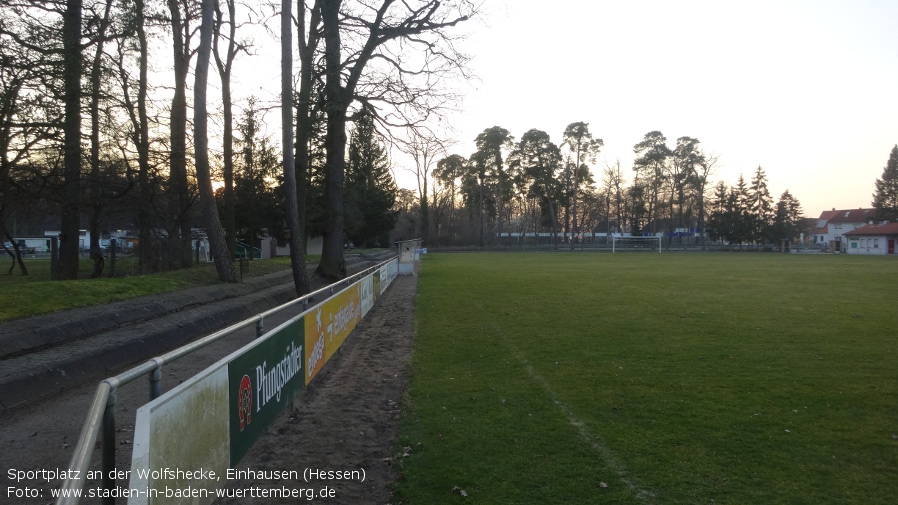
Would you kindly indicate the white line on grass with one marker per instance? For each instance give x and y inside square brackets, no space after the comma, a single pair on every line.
[585,433]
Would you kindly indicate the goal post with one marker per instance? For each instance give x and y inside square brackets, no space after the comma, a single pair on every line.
[643,244]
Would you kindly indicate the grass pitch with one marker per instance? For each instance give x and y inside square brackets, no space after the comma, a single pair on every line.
[647,378]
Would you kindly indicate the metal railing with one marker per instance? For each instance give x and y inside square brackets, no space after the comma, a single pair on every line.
[101,415]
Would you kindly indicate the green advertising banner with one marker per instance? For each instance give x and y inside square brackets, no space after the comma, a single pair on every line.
[262,380]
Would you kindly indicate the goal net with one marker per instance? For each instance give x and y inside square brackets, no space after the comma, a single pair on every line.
[636,244]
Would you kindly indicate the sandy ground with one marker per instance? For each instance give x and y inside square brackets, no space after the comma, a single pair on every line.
[347,419]
[344,424]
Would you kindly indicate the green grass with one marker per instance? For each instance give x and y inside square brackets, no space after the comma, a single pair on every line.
[672,378]
[34,294]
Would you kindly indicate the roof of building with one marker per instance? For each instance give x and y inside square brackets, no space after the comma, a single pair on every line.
[875,229]
[825,216]
[852,216]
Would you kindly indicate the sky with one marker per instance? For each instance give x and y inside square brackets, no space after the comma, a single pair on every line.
[808,90]
[805,89]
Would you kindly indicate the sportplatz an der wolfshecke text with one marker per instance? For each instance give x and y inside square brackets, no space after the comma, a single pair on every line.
[306,475]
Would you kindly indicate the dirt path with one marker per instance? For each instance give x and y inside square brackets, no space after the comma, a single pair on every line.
[346,420]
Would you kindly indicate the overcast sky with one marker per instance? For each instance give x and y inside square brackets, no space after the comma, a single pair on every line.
[805,89]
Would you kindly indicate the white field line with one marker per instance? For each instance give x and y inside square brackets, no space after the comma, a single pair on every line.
[587,435]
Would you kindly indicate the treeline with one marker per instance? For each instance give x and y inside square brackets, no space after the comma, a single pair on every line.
[105,119]
[535,185]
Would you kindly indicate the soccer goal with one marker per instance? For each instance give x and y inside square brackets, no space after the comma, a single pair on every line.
[631,244]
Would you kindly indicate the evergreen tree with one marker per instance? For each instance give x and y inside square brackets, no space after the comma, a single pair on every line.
[476,192]
[739,215]
[760,207]
[490,145]
[370,189]
[652,155]
[259,207]
[717,221]
[787,217]
[450,171]
[885,200]
[539,162]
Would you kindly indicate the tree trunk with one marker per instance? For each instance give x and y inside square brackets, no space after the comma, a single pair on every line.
[71,211]
[96,187]
[224,71]
[333,264]
[142,141]
[500,203]
[480,211]
[425,214]
[15,253]
[307,49]
[291,197]
[217,243]
[179,195]
[575,228]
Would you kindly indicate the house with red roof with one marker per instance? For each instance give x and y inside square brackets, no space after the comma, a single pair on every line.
[874,239]
[832,225]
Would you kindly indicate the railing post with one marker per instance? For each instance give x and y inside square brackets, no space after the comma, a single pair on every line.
[156,383]
[108,464]
[260,327]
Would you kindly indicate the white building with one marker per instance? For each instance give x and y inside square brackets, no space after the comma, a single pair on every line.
[873,239]
[832,225]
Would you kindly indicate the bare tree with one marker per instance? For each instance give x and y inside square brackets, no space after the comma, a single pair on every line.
[29,116]
[308,41]
[136,108]
[379,32]
[699,182]
[71,208]
[182,13]
[96,186]
[291,204]
[614,181]
[217,243]
[225,63]
[424,151]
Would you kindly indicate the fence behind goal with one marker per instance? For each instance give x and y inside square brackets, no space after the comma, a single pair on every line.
[578,241]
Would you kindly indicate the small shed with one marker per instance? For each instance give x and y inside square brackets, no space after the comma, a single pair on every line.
[873,239]
[409,253]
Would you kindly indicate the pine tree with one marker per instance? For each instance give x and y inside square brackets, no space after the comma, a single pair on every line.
[740,215]
[717,220]
[885,200]
[787,217]
[760,207]
[370,189]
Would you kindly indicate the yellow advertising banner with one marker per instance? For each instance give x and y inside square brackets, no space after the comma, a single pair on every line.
[328,325]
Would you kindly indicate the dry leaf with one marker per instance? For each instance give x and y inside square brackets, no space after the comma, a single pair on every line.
[460,491]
